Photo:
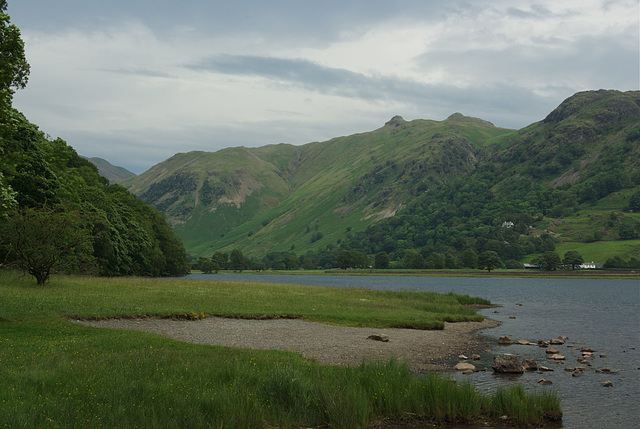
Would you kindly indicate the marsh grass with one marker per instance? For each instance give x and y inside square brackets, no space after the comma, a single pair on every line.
[59,374]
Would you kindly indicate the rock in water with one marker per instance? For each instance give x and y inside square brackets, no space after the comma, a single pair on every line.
[530,365]
[463,366]
[507,364]
[504,340]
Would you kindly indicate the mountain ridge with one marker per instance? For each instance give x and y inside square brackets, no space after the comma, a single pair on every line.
[284,197]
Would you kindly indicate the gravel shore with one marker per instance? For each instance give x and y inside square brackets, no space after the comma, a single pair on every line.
[326,344]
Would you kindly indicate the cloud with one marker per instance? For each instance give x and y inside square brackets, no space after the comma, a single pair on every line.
[134,84]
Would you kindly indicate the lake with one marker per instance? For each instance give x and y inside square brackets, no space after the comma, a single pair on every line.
[603,315]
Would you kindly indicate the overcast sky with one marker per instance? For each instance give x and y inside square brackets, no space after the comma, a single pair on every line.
[136,81]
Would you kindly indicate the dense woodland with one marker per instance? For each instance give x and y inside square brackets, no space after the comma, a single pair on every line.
[57,214]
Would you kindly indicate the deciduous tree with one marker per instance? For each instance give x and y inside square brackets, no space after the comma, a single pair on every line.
[489,260]
[42,241]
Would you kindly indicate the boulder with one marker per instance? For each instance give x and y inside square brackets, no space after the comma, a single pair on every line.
[507,364]
[462,357]
[379,337]
[525,343]
[557,356]
[552,351]
[505,341]
[543,343]
[530,365]
[545,368]
[464,366]
[607,384]
[556,341]
[475,357]
[544,382]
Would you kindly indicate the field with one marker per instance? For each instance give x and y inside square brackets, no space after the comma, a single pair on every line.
[59,374]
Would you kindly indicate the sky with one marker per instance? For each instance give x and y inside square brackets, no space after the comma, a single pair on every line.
[135,82]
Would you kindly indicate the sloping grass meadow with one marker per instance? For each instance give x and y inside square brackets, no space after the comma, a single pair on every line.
[59,374]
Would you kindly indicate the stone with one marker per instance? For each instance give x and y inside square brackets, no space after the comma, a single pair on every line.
[507,364]
[556,341]
[552,351]
[464,366]
[544,382]
[530,365]
[557,356]
[379,337]
[505,341]
[463,357]
[525,343]
[607,383]
[475,357]
[587,349]
[512,317]
[543,343]
[545,368]
[603,355]
[577,373]
[587,355]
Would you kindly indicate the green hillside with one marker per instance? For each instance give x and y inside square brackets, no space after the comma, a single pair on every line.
[430,186]
[281,197]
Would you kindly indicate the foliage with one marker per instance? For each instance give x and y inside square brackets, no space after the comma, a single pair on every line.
[127,236]
[573,258]
[236,260]
[489,260]
[548,261]
[42,241]
[381,261]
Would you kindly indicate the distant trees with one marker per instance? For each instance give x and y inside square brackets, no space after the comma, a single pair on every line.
[489,260]
[548,261]
[381,261]
[352,259]
[573,258]
[236,260]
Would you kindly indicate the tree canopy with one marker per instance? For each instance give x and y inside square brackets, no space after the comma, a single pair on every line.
[44,182]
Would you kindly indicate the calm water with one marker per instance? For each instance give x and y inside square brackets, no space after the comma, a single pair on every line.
[601,314]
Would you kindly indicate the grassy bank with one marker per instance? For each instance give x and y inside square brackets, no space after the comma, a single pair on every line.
[59,374]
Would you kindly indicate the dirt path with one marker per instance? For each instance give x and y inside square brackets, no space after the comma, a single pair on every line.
[326,344]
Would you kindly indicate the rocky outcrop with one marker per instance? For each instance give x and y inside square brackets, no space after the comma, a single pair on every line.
[507,364]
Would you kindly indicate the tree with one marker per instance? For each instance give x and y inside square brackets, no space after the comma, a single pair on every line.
[381,261]
[42,241]
[634,202]
[470,259]
[435,261]
[489,260]
[221,259]
[413,259]
[548,261]
[573,258]
[14,69]
[236,260]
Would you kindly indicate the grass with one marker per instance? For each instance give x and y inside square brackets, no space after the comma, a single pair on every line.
[59,374]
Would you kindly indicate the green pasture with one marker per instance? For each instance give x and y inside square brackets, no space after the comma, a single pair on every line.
[59,374]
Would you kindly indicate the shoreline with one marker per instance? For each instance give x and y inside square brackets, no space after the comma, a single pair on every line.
[423,350]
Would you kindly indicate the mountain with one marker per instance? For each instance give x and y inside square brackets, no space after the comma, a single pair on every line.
[284,196]
[112,173]
[321,195]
